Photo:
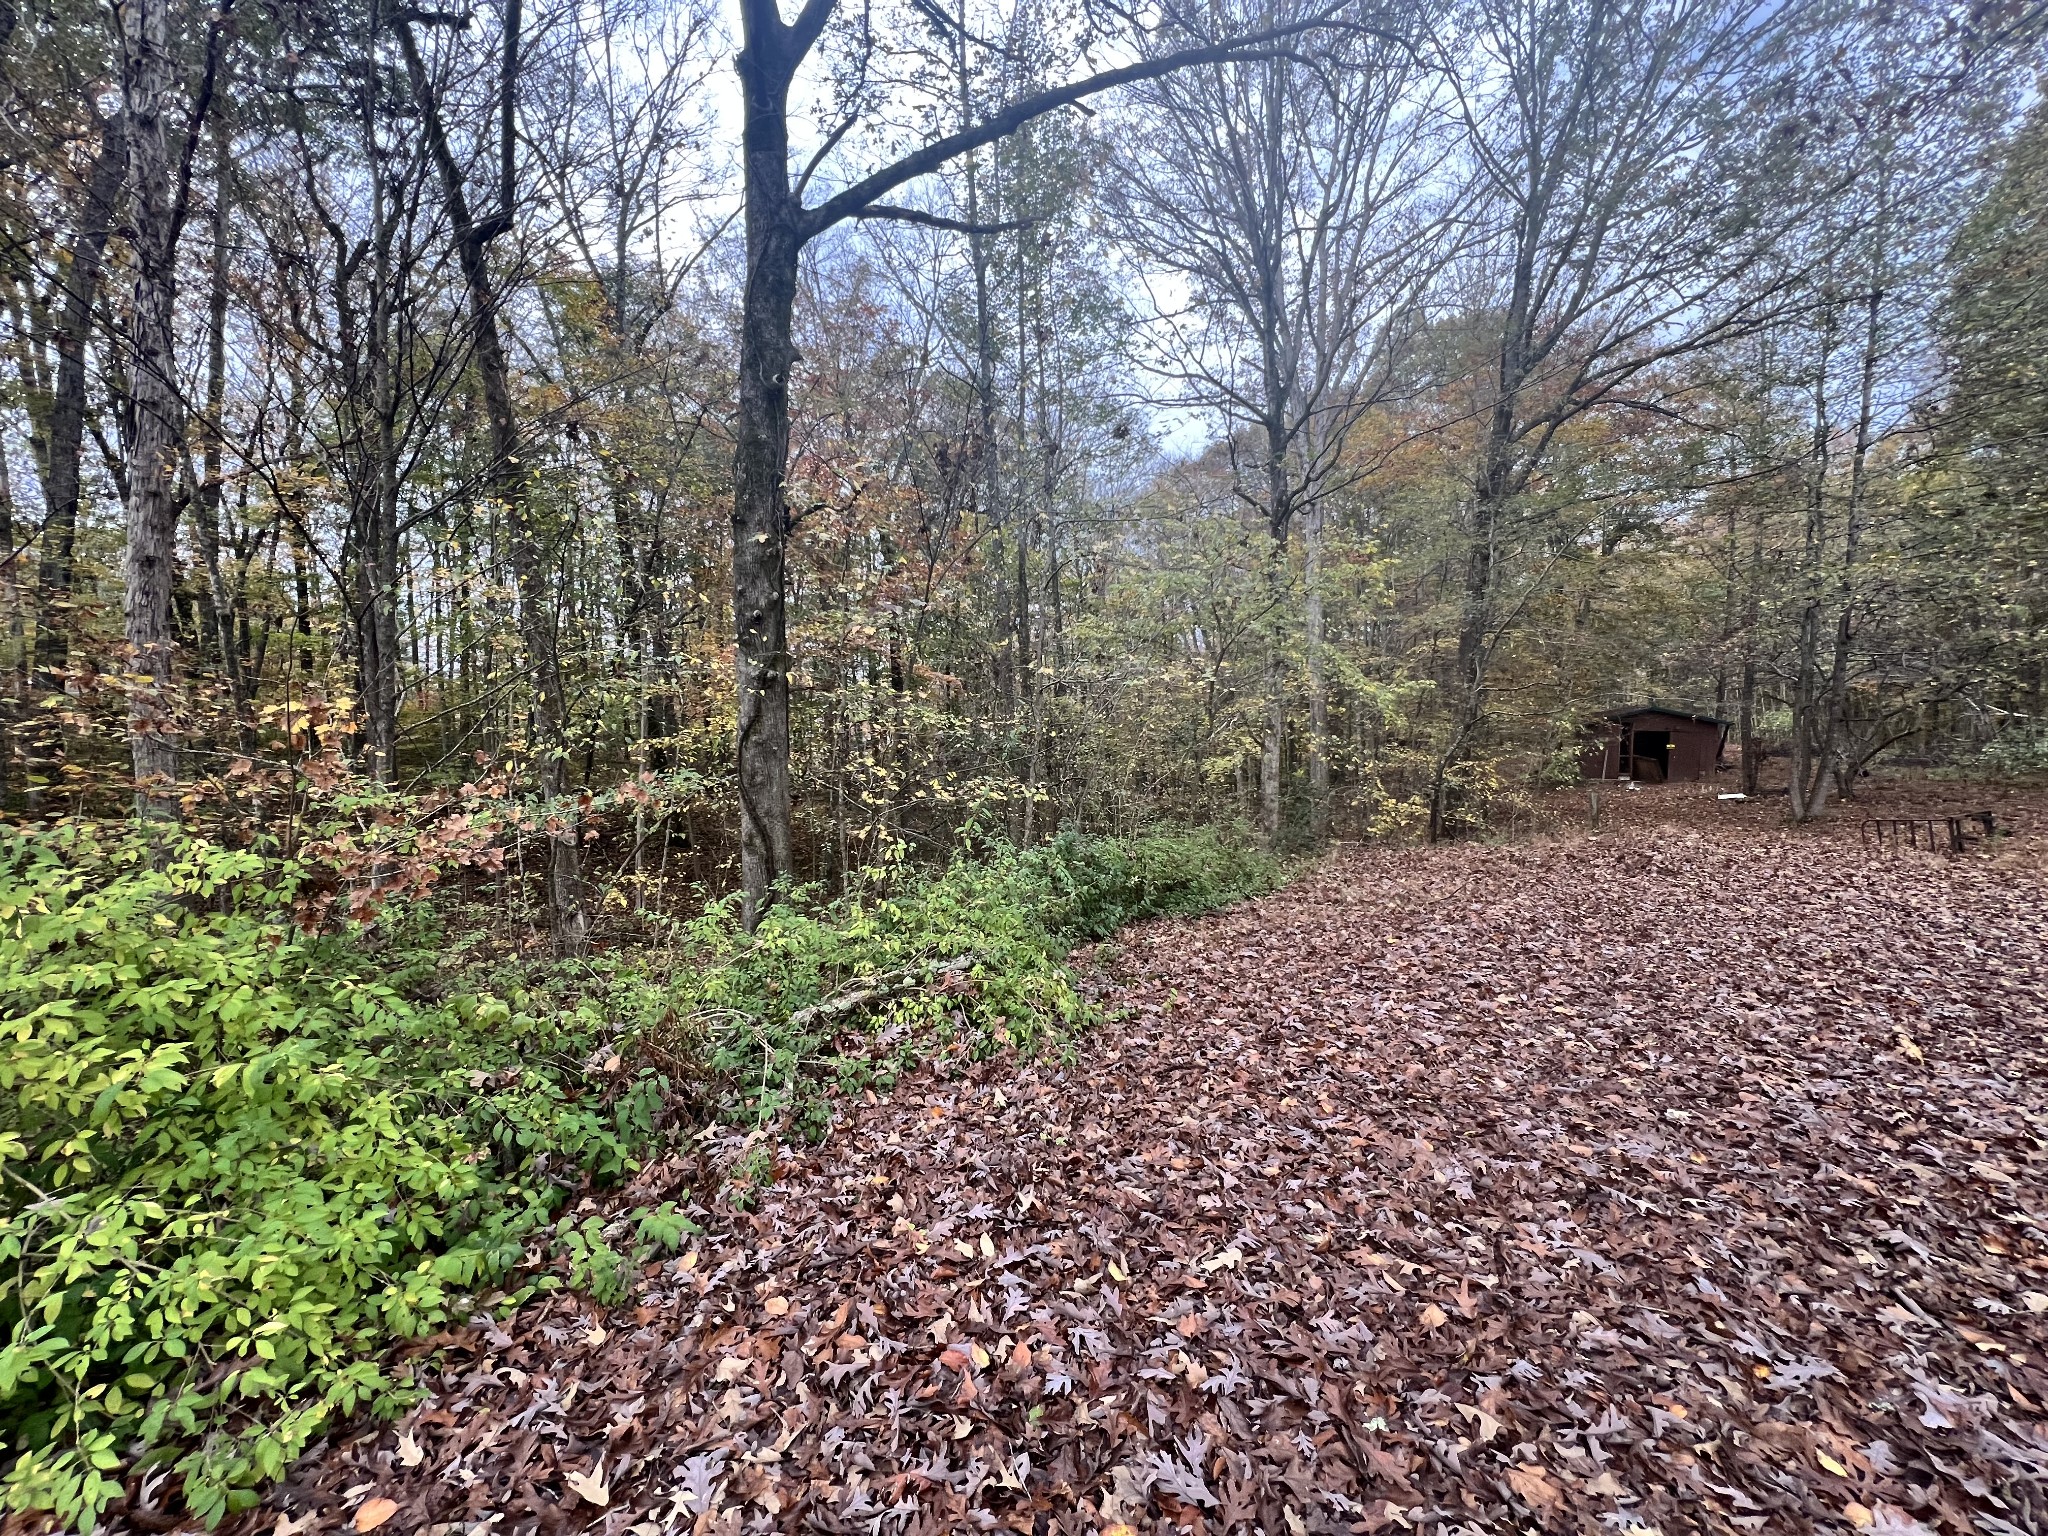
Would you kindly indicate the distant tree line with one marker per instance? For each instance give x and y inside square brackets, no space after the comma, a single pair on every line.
[743,460]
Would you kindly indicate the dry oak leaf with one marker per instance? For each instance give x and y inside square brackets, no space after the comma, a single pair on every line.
[590,1486]
[1484,1425]
[1532,1485]
[374,1513]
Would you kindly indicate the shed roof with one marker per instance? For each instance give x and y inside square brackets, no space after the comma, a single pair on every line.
[1657,709]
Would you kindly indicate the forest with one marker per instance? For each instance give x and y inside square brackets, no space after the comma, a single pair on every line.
[590,586]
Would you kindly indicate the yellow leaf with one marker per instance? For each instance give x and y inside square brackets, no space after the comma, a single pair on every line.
[374,1513]
[1434,1316]
[1858,1516]
[980,1356]
[409,1452]
[988,1249]
[776,1306]
[1829,1464]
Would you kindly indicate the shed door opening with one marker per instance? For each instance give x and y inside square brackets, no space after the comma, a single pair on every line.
[1652,764]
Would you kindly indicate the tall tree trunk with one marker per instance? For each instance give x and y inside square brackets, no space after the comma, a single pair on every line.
[1273,747]
[1020,640]
[1852,530]
[1318,695]
[12,760]
[1476,613]
[1037,672]
[218,603]
[1812,742]
[157,435]
[1494,486]
[568,923]
[376,596]
[760,518]
[63,455]
[1752,617]
[1731,601]
[987,462]
[777,227]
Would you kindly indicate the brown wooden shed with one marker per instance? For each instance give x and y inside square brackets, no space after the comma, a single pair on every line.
[1654,746]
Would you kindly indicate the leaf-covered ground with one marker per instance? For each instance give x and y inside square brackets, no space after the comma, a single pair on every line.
[1688,1178]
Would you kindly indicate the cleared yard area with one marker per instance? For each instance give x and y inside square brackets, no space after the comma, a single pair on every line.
[1686,1178]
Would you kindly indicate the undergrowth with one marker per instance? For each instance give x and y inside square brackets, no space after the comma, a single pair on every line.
[240,1159]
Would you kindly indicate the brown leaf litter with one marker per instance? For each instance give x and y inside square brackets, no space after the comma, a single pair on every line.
[1684,1179]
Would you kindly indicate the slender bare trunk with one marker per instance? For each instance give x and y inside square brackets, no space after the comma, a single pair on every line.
[1810,725]
[1752,617]
[1272,747]
[1318,697]
[62,458]
[987,461]
[568,923]
[1852,537]
[219,603]
[12,760]
[376,595]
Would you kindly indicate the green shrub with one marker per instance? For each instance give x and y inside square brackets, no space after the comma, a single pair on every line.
[972,957]
[1096,885]
[237,1160]
[2020,752]
[853,989]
